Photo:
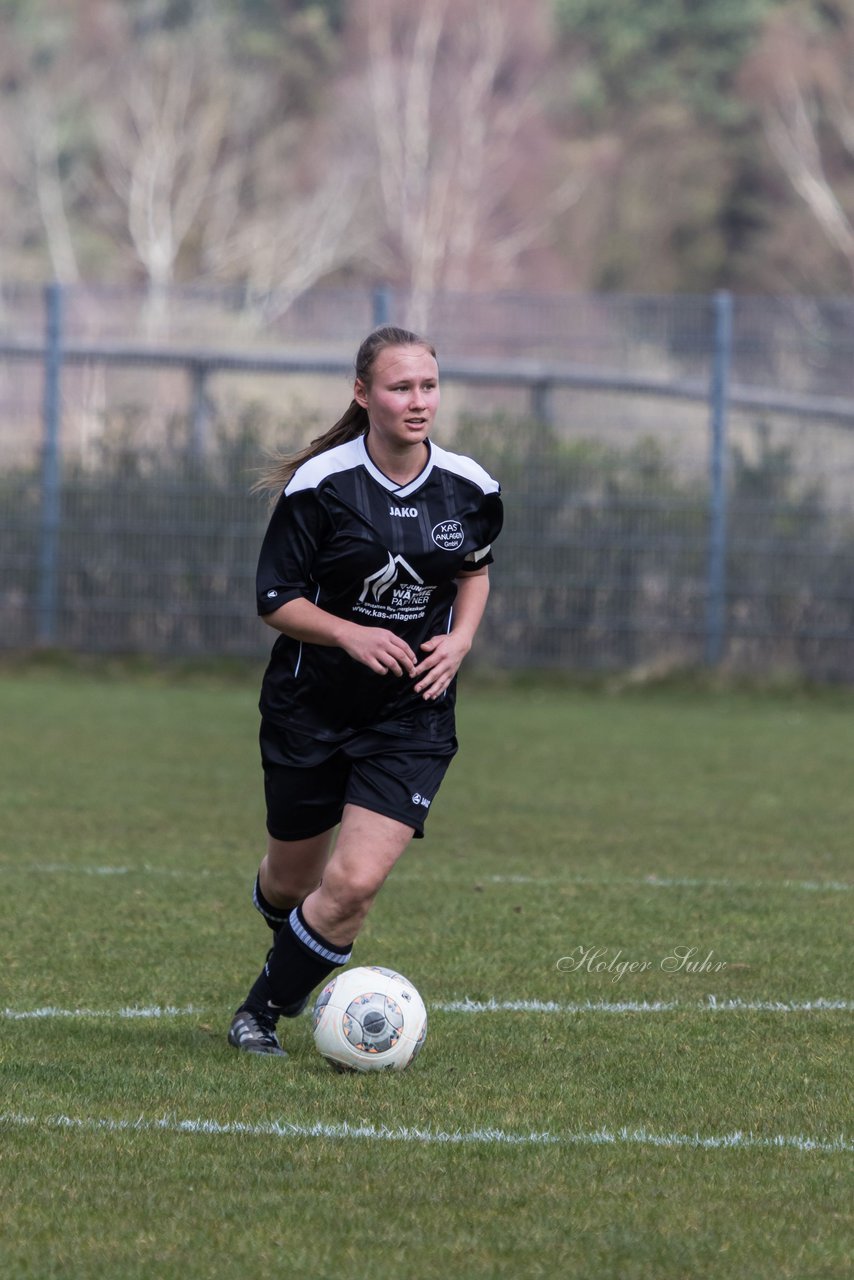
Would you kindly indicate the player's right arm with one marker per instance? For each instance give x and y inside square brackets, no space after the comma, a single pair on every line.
[299,527]
[381,650]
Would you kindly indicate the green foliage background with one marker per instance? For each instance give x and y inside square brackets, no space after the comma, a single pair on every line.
[681,193]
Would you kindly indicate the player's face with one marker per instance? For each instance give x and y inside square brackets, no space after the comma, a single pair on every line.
[402,396]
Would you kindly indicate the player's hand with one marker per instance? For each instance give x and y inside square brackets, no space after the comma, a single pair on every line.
[381,650]
[444,658]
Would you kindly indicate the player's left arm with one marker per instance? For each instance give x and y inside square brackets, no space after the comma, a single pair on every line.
[445,653]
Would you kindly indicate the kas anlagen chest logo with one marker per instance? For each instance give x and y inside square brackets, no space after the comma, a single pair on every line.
[448,535]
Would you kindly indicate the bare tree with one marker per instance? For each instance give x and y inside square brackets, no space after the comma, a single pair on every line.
[162,126]
[283,221]
[205,161]
[455,122]
[804,84]
[30,159]
[42,170]
[430,160]
[791,129]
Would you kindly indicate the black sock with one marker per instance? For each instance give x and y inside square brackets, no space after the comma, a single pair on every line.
[298,962]
[275,916]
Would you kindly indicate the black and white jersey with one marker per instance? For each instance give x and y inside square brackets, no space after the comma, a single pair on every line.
[364,548]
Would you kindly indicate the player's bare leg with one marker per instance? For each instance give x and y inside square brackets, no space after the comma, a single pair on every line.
[317,935]
[291,869]
[368,846]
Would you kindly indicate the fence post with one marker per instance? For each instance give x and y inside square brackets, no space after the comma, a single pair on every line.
[719,406]
[381,305]
[51,472]
[200,410]
[542,402]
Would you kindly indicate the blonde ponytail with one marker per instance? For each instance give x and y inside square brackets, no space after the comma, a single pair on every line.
[349,426]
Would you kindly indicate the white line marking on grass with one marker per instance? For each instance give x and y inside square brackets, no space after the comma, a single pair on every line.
[150,1011]
[779,1006]
[554,1006]
[647,882]
[493,1137]
[143,868]
[677,882]
[711,1004]
[692,882]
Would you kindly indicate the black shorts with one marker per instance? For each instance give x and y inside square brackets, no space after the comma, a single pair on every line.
[307,782]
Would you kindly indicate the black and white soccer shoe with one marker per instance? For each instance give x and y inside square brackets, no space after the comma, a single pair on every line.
[254,1032]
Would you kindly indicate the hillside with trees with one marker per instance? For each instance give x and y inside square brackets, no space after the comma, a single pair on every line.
[447,145]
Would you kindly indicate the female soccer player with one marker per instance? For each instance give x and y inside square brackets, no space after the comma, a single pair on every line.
[374,571]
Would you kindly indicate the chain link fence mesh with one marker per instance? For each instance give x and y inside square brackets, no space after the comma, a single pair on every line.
[127,523]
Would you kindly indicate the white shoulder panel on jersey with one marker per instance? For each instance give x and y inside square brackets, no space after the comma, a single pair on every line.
[459,465]
[344,457]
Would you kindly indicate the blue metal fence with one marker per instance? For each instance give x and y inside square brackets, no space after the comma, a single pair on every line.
[677,470]
[721,364]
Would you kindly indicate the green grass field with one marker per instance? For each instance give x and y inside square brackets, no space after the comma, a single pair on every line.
[564,1120]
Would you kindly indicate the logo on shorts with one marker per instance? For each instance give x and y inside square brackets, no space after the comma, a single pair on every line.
[271,595]
[448,535]
[422,800]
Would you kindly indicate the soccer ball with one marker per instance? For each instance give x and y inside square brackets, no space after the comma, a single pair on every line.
[369,1019]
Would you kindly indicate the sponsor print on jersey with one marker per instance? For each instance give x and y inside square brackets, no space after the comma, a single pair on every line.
[395,592]
[448,535]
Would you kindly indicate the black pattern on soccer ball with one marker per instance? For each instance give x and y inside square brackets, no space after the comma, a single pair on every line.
[373,1022]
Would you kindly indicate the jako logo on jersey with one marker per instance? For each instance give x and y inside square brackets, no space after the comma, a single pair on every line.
[403,511]
[448,535]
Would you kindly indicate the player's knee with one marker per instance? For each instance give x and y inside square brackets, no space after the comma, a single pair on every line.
[287,889]
[349,897]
